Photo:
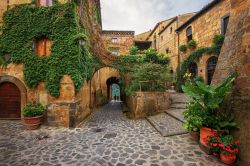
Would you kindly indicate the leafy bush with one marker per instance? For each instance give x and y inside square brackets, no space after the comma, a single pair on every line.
[148,77]
[206,103]
[192,44]
[133,50]
[33,110]
[183,48]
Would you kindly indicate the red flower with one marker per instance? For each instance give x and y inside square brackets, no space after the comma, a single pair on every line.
[215,154]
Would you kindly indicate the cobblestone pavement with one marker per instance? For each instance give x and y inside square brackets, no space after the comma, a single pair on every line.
[107,138]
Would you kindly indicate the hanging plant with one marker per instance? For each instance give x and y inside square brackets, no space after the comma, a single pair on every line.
[192,44]
[183,48]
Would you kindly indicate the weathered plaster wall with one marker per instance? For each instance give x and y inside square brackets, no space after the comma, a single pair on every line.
[235,55]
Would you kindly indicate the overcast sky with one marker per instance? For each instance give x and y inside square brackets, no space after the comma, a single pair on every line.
[142,15]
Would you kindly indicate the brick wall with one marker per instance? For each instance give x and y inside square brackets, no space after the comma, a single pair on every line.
[235,55]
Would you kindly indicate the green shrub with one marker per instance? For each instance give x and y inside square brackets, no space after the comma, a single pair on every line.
[133,50]
[183,48]
[205,106]
[33,110]
[192,44]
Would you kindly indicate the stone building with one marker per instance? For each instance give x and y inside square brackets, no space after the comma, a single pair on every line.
[118,42]
[71,106]
[168,43]
[202,27]
[235,55]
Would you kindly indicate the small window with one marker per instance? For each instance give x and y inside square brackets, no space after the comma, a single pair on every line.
[45,2]
[189,34]
[171,30]
[161,38]
[114,40]
[224,24]
[114,50]
[42,47]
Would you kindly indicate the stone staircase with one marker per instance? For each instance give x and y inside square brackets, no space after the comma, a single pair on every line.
[169,122]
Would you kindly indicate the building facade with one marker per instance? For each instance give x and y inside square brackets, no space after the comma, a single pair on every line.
[202,28]
[118,42]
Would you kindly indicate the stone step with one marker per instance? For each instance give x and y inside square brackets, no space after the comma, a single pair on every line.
[178,105]
[166,125]
[179,97]
[176,113]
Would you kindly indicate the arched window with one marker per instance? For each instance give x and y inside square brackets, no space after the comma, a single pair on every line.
[189,34]
[42,47]
[211,65]
[193,69]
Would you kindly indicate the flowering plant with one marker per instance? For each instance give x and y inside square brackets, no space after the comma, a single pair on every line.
[223,144]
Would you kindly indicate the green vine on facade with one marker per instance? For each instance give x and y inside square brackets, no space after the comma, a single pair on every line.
[195,56]
[23,25]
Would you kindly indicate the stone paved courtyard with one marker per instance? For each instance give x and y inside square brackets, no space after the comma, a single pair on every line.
[107,138]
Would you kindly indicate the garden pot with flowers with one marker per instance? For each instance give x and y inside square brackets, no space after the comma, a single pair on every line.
[33,115]
[205,110]
[224,147]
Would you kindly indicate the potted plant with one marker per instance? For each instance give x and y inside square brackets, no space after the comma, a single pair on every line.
[33,115]
[183,48]
[192,44]
[225,147]
[206,103]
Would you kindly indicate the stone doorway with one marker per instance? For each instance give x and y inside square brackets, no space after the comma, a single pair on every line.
[211,65]
[12,97]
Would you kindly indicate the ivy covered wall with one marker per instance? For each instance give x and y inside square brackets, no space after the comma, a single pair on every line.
[24,24]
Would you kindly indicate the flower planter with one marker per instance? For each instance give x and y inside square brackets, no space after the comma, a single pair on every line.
[229,159]
[205,133]
[32,123]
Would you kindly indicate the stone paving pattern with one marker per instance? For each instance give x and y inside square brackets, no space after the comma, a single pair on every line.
[107,138]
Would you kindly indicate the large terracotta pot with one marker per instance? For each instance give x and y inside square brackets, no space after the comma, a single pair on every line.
[229,159]
[205,133]
[32,123]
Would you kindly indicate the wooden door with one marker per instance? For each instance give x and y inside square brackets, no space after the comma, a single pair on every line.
[10,101]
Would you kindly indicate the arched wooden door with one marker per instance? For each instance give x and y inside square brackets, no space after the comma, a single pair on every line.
[211,65]
[10,101]
[193,69]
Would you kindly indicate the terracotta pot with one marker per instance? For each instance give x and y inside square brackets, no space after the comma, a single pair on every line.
[32,123]
[229,159]
[194,135]
[206,132]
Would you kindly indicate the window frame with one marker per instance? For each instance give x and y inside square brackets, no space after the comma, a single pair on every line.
[46,44]
[189,36]
[114,40]
[223,29]
[47,3]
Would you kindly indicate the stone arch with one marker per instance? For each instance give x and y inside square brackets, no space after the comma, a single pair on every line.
[210,68]
[19,84]
[99,82]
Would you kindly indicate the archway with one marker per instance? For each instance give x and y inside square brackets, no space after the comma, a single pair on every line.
[211,65]
[193,69]
[13,97]
[113,89]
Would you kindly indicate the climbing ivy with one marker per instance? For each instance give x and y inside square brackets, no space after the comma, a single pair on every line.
[24,24]
[195,56]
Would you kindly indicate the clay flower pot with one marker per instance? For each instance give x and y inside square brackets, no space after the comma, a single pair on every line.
[229,159]
[32,123]
[207,132]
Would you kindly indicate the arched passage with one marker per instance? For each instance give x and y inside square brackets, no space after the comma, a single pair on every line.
[113,89]
[211,65]
[101,83]
[13,96]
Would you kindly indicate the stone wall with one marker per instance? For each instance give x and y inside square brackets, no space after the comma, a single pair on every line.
[235,55]
[125,40]
[144,104]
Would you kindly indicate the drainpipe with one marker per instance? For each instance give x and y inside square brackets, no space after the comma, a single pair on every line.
[178,43]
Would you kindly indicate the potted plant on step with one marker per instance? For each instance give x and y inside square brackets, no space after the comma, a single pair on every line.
[225,147]
[206,106]
[33,115]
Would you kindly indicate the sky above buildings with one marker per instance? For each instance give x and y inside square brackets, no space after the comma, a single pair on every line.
[142,15]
